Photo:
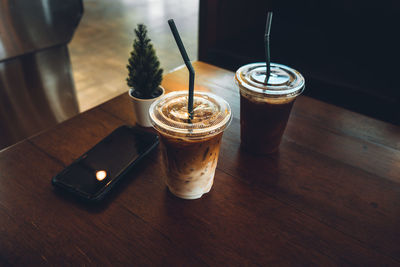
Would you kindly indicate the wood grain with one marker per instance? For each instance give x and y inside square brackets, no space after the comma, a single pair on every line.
[329,197]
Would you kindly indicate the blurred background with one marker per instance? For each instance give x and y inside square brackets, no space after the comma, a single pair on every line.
[59,58]
[103,40]
[348,50]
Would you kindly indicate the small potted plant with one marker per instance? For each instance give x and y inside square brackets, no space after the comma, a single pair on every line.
[144,76]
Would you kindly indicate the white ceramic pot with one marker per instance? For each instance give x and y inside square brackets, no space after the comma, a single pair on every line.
[141,108]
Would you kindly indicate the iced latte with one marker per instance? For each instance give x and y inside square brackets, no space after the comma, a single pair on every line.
[190,147]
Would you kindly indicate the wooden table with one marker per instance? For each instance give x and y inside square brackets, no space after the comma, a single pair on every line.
[331,196]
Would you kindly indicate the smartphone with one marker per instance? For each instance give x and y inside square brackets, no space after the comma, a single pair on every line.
[93,174]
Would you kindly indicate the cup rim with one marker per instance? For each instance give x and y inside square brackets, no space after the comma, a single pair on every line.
[186,130]
[294,87]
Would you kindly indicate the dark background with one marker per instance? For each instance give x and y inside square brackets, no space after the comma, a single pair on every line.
[347,50]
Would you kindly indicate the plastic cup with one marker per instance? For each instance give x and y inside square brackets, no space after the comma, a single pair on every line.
[265,108]
[190,148]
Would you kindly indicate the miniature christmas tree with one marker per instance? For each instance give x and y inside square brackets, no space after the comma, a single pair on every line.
[144,72]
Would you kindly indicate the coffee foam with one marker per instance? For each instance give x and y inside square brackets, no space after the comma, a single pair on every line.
[205,110]
[211,115]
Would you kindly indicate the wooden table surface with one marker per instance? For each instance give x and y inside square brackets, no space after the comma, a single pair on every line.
[331,196]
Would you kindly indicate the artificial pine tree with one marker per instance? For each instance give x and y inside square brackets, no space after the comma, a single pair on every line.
[144,72]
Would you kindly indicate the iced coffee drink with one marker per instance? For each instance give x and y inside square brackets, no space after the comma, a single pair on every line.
[265,108]
[190,147]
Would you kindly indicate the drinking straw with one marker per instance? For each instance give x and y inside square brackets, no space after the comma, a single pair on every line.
[187,63]
[266,43]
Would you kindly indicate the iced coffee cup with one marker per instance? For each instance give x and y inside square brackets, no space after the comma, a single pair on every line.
[190,147]
[265,108]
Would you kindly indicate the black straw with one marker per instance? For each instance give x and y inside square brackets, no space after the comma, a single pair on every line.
[266,43]
[187,63]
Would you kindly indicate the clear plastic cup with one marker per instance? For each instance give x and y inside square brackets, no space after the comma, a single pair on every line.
[190,148]
[265,108]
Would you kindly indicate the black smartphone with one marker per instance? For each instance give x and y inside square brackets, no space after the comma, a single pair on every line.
[94,173]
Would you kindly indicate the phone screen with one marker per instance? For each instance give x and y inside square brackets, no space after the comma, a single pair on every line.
[98,168]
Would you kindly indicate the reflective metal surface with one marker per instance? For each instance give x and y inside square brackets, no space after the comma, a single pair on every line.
[36,84]
[30,25]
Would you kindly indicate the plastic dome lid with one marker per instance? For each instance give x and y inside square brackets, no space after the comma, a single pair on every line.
[283,82]
[211,114]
